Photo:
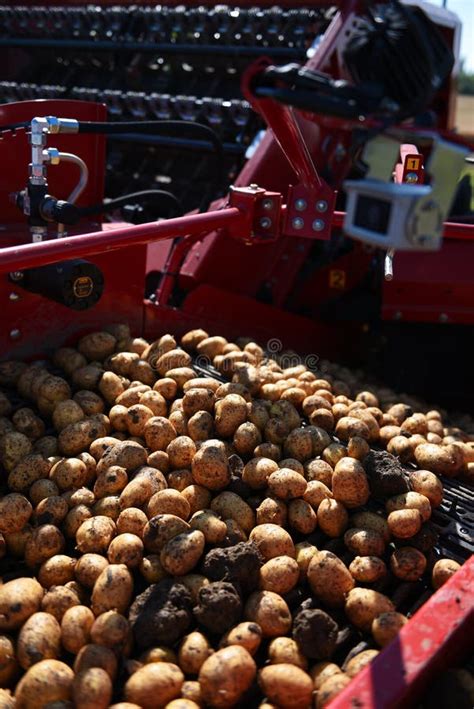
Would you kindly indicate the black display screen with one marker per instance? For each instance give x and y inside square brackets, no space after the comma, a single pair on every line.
[373,214]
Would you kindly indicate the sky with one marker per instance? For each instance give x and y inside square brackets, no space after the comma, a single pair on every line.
[465,11]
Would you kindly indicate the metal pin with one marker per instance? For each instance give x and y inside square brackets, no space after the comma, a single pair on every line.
[388,265]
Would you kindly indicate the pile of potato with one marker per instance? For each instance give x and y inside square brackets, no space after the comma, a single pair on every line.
[172,540]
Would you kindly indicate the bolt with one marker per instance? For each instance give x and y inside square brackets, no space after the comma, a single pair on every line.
[321,206]
[398,315]
[318,225]
[15,334]
[265,223]
[443,317]
[297,223]
[14,296]
[16,275]
[267,204]
[253,186]
[300,205]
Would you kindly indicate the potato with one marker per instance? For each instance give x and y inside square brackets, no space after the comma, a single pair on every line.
[285,650]
[359,661]
[226,675]
[286,685]
[168,502]
[161,529]
[44,542]
[190,340]
[8,662]
[363,605]
[211,346]
[410,500]
[112,590]
[230,413]
[365,542]
[332,517]
[272,541]
[11,371]
[333,453]
[110,482]
[69,473]
[408,563]
[136,493]
[193,652]
[210,467]
[111,629]
[272,511]
[159,653]
[57,571]
[158,433]
[371,520]
[41,490]
[16,542]
[321,671]
[52,391]
[92,689]
[279,574]
[315,493]
[210,524]
[13,447]
[367,569]
[270,611]
[330,689]
[154,685]
[26,421]
[357,447]
[151,568]
[132,395]
[257,471]
[77,437]
[230,506]
[426,483]
[248,635]
[349,426]
[39,639]
[319,470]
[159,460]
[132,521]
[181,375]
[126,549]
[246,437]
[76,625]
[181,553]
[74,518]
[268,450]
[97,346]
[386,626]
[286,484]
[95,534]
[58,600]
[302,517]
[442,572]
[442,460]
[15,511]
[349,483]
[198,398]
[93,655]
[404,524]
[329,578]
[45,682]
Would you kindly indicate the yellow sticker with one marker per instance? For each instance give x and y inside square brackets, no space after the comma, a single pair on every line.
[83,287]
[337,279]
[413,164]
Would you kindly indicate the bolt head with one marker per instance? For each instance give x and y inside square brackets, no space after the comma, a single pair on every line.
[321,205]
[265,222]
[300,205]
[267,204]
[15,334]
[318,225]
[297,223]
[14,297]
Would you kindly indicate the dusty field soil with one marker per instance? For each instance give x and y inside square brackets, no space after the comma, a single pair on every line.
[465,115]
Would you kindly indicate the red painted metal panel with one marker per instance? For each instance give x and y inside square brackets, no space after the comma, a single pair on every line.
[439,634]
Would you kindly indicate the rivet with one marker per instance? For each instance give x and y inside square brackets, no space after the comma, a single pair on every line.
[318,225]
[14,296]
[321,206]
[443,317]
[15,334]
[297,223]
[267,204]
[398,315]
[300,205]
[265,223]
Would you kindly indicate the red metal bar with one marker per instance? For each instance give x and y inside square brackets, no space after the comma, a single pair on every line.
[17,258]
[438,634]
